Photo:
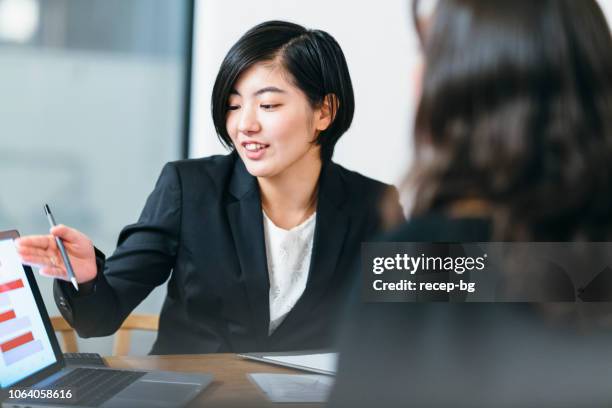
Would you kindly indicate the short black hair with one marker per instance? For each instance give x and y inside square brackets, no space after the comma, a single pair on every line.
[312,58]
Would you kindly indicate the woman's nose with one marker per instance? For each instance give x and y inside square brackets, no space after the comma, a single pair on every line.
[248,122]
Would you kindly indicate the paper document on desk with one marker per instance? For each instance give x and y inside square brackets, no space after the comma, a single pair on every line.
[318,362]
[294,387]
[323,361]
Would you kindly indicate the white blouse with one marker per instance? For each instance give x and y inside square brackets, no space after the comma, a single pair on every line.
[288,255]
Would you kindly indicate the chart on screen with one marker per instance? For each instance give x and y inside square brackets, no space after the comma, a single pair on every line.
[24,345]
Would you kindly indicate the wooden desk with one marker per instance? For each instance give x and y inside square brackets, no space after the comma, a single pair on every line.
[230,386]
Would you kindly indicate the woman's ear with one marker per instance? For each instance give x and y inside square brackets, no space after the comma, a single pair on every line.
[326,113]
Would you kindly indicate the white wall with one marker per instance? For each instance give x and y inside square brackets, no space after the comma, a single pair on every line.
[379,45]
[606,5]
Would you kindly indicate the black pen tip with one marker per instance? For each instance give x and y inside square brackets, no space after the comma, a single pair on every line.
[47,210]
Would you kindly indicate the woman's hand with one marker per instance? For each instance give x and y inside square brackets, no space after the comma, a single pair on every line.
[42,251]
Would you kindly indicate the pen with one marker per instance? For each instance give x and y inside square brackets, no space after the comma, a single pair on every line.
[62,249]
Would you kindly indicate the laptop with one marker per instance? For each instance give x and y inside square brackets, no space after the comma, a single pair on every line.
[33,372]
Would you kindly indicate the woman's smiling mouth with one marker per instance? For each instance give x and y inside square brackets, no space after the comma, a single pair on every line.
[254,150]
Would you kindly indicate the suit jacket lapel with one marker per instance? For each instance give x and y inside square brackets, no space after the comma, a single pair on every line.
[246,223]
[330,233]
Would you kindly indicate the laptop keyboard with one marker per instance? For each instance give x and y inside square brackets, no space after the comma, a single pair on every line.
[84,359]
[92,387]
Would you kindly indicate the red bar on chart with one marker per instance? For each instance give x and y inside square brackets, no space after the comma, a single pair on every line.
[16,284]
[16,342]
[8,315]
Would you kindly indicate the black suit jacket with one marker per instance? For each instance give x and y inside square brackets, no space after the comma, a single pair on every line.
[202,228]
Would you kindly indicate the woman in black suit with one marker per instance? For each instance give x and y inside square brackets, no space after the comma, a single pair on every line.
[257,244]
[513,142]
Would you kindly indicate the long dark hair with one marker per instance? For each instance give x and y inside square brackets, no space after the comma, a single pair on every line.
[516,110]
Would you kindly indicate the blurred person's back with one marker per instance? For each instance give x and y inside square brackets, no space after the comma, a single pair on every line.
[513,142]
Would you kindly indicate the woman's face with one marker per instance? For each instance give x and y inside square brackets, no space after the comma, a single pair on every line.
[272,124]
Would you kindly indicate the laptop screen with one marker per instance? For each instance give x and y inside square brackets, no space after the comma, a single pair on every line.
[24,344]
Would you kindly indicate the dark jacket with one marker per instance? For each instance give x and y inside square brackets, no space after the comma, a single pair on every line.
[202,228]
[436,354]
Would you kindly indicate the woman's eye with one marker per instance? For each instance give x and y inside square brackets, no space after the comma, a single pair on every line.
[266,106]
[233,107]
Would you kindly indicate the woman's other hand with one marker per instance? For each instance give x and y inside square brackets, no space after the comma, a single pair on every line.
[42,251]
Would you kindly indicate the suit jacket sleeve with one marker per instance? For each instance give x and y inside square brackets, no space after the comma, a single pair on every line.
[145,255]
